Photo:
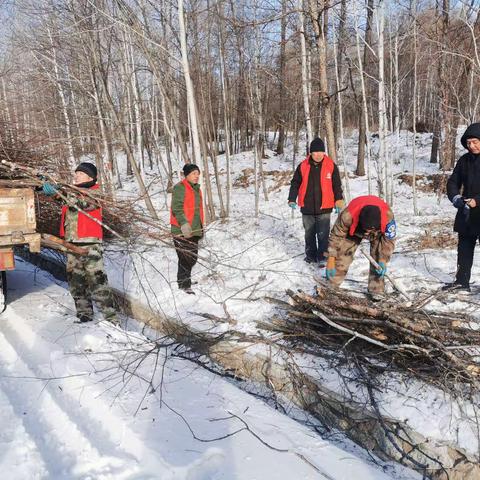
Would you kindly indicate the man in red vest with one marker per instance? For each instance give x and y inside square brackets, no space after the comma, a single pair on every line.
[187,220]
[366,217]
[318,186]
[86,276]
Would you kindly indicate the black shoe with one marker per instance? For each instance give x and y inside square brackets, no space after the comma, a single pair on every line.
[457,287]
[310,260]
[187,290]
[83,319]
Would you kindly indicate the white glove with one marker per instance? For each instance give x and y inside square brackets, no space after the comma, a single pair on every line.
[186,229]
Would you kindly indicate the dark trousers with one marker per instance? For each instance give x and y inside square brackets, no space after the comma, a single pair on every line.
[317,229]
[187,252]
[465,249]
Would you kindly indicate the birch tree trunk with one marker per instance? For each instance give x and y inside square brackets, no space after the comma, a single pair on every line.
[382,109]
[414,120]
[191,104]
[319,16]
[226,114]
[341,137]
[61,93]
[283,49]
[364,133]
[305,77]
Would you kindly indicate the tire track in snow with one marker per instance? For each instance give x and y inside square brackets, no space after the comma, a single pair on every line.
[79,443]
[18,451]
[65,452]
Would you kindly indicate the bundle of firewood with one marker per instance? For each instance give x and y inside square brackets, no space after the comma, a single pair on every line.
[441,348]
[121,217]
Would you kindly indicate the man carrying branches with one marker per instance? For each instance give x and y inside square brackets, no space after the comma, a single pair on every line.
[81,224]
[366,217]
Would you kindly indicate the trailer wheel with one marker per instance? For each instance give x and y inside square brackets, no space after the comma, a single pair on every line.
[3,291]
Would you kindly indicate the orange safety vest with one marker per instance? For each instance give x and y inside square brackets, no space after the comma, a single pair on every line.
[326,184]
[188,205]
[356,205]
[86,227]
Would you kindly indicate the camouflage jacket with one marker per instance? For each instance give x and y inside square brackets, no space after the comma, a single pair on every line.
[340,232]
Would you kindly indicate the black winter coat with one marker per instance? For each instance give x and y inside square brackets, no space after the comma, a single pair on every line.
[465,181]
[313,195]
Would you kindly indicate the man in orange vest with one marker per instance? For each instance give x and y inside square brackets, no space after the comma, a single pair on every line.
[86,275]
[187,220]
[318,187]
[366,217]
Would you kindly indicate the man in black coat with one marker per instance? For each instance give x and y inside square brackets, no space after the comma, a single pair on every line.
[463,190]
[318,187]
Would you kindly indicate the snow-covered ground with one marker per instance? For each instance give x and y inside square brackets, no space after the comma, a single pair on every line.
[98,402]
[71,411]
[245,259]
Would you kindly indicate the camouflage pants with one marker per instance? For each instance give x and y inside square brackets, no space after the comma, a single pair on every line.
[88,283]
[347,250]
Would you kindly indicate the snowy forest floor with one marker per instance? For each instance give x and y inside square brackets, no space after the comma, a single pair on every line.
[97,402]
[63,388]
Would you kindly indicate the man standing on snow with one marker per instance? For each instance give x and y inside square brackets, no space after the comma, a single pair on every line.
[366,217]
[187,220]
[463,190]
[318,186]
[86,275]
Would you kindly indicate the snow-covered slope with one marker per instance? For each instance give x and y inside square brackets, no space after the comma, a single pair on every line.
[96,402]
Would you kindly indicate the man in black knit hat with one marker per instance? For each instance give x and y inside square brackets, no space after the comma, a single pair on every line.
[463,190]
[318,187]
[187,220]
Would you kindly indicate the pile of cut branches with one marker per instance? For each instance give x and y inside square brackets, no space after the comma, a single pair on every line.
[439,348]
[121,218]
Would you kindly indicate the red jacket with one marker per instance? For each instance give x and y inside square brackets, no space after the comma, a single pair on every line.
[86,227]
[356,205]
[326,185]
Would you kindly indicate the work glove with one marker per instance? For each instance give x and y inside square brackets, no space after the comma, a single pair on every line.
[49,189]
[330,271]
[186,229]
[458,201]
[381,270]
[339,206]
[292,205]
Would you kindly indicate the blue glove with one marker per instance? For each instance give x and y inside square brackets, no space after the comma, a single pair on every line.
[458,201]
[382,270]
[49,189]
[292,205]
[330,273]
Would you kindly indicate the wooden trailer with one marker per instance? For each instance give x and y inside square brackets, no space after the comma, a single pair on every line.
[17,227]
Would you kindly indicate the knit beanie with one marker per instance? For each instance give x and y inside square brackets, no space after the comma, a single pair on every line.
[369,218]
[317,145]
[89,168]
[189,168]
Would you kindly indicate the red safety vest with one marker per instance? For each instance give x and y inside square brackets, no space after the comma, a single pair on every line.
[86,227]
[326,184]
[356,205]
[188,205]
